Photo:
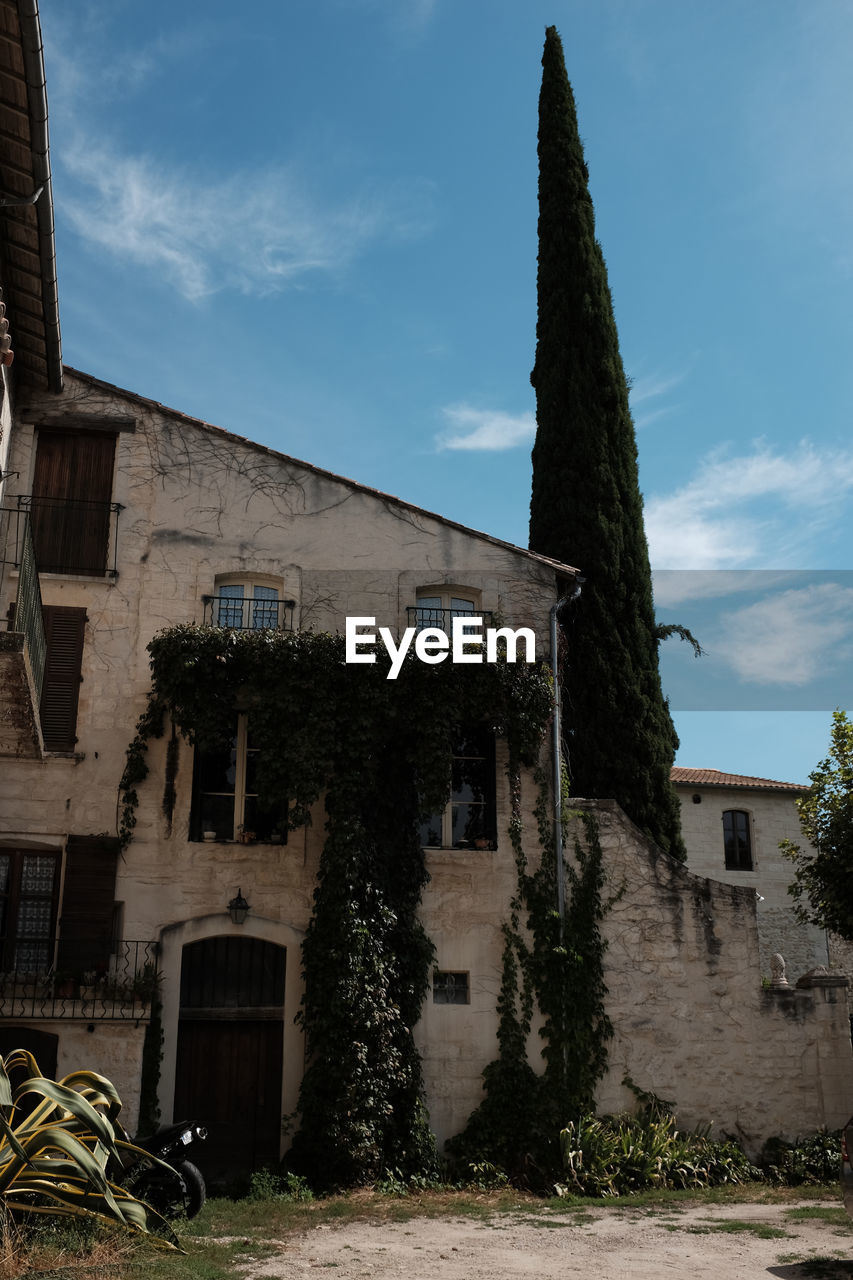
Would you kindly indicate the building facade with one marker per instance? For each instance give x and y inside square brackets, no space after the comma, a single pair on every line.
[120,518]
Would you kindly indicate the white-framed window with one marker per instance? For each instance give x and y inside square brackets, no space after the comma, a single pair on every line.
[225,802]
[450,988]
[469,819]
[437,608]
[248,603]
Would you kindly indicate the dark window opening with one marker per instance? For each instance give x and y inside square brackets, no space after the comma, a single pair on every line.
[450,988]
[226,804]
[469,820]
[736,840]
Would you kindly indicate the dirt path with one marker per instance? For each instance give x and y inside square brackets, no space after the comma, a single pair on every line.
[720,1241]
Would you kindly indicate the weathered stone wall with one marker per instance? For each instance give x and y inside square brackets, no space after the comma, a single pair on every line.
[692,1021]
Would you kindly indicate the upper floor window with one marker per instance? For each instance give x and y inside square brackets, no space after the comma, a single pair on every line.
[736,840]
[71,504]
[469,819]
[226,805]
[436,608]
[248,604]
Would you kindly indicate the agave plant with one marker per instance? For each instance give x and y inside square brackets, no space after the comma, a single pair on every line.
[62,1157]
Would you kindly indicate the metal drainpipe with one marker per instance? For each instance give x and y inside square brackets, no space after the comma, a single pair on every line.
[557,754]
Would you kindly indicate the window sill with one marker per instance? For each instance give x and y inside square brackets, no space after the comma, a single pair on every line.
[75,756]
[457,848]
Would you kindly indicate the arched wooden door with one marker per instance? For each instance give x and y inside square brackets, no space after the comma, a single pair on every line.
[229,1056]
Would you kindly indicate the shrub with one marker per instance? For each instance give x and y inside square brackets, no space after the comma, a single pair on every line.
[617,1155]
[61,1159]
[810,1160]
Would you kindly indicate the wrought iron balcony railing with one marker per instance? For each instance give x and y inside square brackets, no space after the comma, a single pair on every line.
[122,991]
[248,614]
[27,618]
[74,535]
[422,616]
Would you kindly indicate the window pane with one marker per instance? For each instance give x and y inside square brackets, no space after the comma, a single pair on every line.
[230,606]
[469,827]
[430,831]
[37,873]
[217,770]
[261,820]
[216,813]
[459,606]
[429,612]
[469,780]
[265,607]
[450,988]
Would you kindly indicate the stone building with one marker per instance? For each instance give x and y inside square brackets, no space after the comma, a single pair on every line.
[120,517]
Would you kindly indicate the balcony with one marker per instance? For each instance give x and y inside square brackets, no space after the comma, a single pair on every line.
[248,614]
[22,646]
[423,616]
[122,992]
[73,535]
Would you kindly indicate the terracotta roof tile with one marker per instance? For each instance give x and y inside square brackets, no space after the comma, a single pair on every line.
[714,778]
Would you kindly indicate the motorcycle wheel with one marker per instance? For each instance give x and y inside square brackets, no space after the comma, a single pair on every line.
[196,1190]
[178,1190]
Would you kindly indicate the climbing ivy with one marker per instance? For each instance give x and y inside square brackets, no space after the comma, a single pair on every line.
[379,750]
[562,969]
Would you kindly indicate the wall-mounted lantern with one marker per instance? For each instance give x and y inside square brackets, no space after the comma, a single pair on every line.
[238,908]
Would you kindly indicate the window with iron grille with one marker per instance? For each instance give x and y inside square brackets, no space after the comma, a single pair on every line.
[248,603]
[29,885]
[450,988]
[736,840]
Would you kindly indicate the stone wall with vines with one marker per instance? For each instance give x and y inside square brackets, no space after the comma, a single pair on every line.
[378,751]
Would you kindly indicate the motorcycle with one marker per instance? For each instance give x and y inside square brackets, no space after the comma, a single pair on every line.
[169,1182]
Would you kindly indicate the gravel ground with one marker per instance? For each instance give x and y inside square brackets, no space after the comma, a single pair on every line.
[605,1244]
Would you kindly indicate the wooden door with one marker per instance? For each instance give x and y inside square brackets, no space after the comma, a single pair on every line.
[229,1079]
[228,1073]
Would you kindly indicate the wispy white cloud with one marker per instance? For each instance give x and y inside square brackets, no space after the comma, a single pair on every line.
[653,388]
[756,509]
[483,429]
[259,232]
[790,638]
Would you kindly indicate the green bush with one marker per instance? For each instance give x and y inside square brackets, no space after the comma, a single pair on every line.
[618,1155]
[811,1160]
[264,1184]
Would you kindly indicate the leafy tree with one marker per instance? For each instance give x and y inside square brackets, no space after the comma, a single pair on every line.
[823,874]
[586,507]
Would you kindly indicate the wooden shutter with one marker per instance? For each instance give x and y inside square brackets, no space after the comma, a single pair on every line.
[88,902]
[72,489]
[64,629]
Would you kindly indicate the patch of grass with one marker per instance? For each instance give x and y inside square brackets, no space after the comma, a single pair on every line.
[834,1215]
[736,1226]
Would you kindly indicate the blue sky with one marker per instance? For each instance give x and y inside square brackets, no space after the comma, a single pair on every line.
[314,223]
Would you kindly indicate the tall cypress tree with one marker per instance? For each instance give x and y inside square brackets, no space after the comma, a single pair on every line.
[586,508]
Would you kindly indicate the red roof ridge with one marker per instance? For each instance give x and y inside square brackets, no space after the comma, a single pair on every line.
[716,778]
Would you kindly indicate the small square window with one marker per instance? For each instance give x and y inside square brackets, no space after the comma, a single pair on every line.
[450,988]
